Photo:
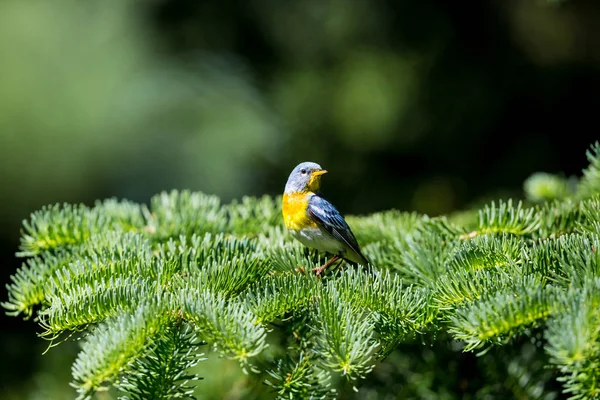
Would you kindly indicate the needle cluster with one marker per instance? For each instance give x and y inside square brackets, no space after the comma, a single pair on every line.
[144,287]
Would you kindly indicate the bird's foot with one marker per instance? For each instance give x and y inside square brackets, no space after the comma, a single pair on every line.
[301,269]
[319,270]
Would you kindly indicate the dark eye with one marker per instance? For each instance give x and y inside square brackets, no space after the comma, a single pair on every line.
[303,171]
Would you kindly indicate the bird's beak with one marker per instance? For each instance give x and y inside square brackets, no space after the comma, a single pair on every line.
[320,172]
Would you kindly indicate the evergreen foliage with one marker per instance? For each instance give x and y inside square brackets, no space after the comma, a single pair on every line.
[145,286]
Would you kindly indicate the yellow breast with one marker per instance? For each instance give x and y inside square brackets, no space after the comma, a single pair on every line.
[294,211]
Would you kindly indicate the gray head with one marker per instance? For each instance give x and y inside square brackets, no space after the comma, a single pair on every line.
[306,177]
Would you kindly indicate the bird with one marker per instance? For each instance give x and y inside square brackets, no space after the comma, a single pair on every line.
[314,221]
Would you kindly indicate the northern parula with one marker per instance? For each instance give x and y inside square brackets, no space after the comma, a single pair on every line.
[314,221]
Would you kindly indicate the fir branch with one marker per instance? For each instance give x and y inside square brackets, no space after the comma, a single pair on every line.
[229,278]
[478,265]
[559,218]
[574,341]
[506,218]
[424,255]
[543,256]
[590,220]
[59,226]
[226,324]
[80,306]
[501,245]
[127,214]
[473,255]
[383,226]
[501,316]
[398,310]
[184,213]
[386,254]
[579,266]
[300,379]
[567,260]
[113,347]
[252,215]
[130,274]
[280,294]
[460,287]
[92,267]
[65,226]
[221,263]
[219,248]
[119,252]
[345,340]
[589,184]
[290,256]
[541,186]
[29,283]
[193,253]
[442,226]
[162,373]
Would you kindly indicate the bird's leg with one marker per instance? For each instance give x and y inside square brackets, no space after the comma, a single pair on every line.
[320,269]
[308,252]
[338,263]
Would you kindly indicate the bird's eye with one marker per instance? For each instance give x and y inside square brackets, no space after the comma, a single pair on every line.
[303,171]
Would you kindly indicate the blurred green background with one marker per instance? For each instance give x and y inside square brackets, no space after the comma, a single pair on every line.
[424,105]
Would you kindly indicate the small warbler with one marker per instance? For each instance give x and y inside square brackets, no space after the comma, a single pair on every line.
[314,221]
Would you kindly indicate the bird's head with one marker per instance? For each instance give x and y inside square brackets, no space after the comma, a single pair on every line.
[306,177]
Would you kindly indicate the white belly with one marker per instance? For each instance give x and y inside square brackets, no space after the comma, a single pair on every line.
[319,239]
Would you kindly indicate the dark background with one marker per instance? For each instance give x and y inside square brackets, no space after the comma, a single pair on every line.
[431,106]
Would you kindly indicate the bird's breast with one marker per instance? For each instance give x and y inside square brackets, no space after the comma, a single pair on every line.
[294,211]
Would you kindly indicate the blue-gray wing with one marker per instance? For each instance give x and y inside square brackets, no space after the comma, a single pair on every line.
[329,218]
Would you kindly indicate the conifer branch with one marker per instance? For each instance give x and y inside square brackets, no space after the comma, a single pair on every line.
[384,226]
[460,287]
[506,218]
[161,373]
[122,253]
[301,379]
[424,256]
[281,294]
[292,256]
[59,226]
[574,341]
[397,310]
[560,217]
[567,260]
[147,285]
[346,340]
[80,306]
[28,285]
[501,316]
[65,226]
[486,253]
[589,185]
[252,215]
[542,186]
[113,347]
[590,216]
[385,255]
[228,325]
[173,214]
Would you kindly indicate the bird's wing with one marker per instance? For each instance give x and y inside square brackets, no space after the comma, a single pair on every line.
[329,218]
